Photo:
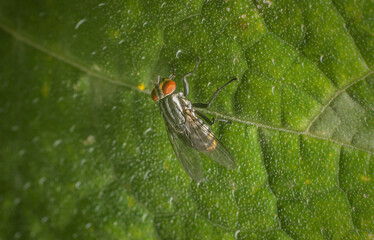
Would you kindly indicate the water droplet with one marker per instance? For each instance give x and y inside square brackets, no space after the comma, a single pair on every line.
[57,142]
[88,225]
[147,131]
[236,234]
[44,219]
[179,51]
[80,23]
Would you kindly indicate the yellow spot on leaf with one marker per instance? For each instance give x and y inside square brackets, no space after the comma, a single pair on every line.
[70,187]
[307,181]
[130,203]
[365,179]
[114,34]
[255,189]
[141,86]
[45,89]
[166,165]
[233,186]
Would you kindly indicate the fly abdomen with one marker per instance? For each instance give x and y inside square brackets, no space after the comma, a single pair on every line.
[201,136]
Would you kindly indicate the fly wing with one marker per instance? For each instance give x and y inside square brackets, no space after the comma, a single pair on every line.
[187,156]
[221,155]
[203,139]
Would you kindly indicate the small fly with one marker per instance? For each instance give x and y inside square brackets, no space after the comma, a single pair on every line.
[188,134]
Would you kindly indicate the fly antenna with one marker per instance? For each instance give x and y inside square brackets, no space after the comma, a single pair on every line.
[172,76]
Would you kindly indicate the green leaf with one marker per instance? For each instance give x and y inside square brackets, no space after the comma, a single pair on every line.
[84,151]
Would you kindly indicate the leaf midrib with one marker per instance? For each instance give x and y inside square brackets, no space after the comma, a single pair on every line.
[28,41]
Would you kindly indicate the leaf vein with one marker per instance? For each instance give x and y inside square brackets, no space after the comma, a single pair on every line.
[28,41]
[307,130]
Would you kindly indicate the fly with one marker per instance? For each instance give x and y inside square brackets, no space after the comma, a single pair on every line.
[189,134]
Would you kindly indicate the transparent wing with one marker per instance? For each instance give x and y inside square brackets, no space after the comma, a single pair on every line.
[187,156]
[221,155]
[203,139]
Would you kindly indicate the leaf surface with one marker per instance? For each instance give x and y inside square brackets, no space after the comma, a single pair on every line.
[85,153]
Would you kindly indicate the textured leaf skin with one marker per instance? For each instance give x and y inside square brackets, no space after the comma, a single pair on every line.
[84,151]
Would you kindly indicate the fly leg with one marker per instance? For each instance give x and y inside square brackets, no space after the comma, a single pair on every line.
[185,83]
[213,121]
[206,105]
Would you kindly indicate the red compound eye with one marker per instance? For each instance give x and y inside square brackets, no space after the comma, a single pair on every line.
[154,95]
[168,87]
